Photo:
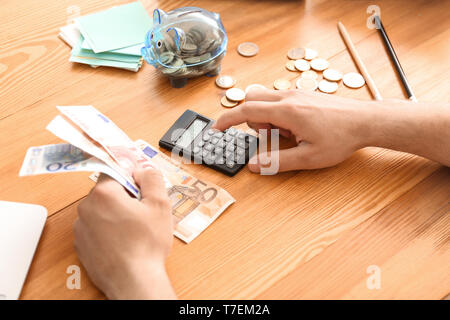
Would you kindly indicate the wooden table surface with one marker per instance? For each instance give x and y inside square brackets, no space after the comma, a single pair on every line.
[297,235]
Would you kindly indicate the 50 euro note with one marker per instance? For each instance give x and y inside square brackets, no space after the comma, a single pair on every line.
[196,203]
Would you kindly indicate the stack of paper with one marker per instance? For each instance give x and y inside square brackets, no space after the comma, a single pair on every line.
[111,38]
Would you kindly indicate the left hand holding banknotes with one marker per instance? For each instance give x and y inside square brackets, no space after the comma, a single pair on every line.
[123,242]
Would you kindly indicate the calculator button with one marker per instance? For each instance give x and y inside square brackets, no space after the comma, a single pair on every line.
[201,143]
[214,140]
[241,144]
[240,159]
[206,137]
[196,150]
[251,139]
[205,153]
[228,154]
[231,131]
[230,164]
[229,138]
[218,150]
[220,160]
[209,147]
[241,136]
[220,144]
[230,147]
[240,151]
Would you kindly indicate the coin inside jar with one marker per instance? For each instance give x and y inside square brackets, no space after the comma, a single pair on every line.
[248,49]
[282,84]
[296,53]
[328,86]
[306,84]
[225,82]
[227,103]
[353,80]
[235,94]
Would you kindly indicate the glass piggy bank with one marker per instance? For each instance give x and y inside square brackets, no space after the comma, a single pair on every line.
[185,43]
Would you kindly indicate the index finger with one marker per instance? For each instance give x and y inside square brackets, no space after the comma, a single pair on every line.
[253,111]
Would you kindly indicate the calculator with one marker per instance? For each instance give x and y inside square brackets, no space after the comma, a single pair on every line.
[192,137]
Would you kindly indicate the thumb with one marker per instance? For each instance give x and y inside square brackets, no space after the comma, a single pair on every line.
[151,182]
[282,160]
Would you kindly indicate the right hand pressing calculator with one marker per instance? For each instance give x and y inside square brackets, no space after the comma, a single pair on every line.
[192,137]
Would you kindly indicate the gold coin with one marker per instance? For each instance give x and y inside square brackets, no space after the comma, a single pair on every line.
[227,103]
[248,49]
[282,84]
[328,86]
[225,82]
[301,65]
[310,75]
[310,54]
[296,53]
[319,64]
[332,75]
[235,94]
[306,84]
[290,65]
[353,80]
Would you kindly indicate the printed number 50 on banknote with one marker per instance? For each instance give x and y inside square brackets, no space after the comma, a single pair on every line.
[195,203]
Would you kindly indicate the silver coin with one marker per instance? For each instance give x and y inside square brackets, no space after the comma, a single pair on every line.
[225,82]
[248,49]
[328,86]
[306,84]
[332,75]
[319,64]
[252,86]
[353,80]
[310,54]
[301,65]
[235,94]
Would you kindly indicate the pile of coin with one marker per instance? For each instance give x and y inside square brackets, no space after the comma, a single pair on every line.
[194,55]
[306,61]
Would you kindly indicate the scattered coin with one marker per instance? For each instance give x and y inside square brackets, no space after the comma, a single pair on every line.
[306,84]
[248,49]
[290,65]
[301,65]
[310,54]
[255,85]
[296,53]
[282,84]
[225,82]
[353,80]
[310,75]
[235,94]
[319,64]
[328,86]
[332,75]
[227,103]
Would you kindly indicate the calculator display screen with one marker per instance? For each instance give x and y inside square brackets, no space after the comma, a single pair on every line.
[191,133]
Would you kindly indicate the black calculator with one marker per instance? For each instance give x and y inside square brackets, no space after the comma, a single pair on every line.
[192,137]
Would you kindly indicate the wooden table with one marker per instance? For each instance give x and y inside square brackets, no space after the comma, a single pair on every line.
[297,235]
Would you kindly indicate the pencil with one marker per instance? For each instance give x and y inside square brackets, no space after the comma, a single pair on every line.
[394,59]
[362,68]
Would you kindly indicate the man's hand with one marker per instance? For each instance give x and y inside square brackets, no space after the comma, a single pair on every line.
[327,129]
[123,242]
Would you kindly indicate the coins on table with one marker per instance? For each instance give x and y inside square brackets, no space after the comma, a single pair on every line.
[225,82]
[332,75]
[328,86]
[235,94]
[296,53]
[227,103]
[290,65]
[310,54]
[301,65]
[254,86]
[319,64]
[353,80]
[306,84]
[282,84]
[310,74]
[248,49]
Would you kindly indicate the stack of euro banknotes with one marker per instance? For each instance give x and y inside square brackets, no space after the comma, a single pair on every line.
[95,144]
